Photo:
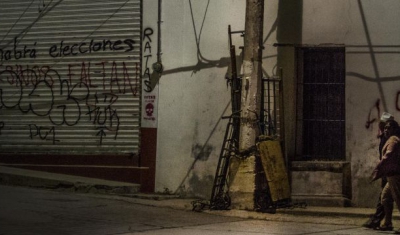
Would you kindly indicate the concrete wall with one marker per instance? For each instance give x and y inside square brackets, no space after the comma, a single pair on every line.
[193,94]
[370,32]
[193,91]
[372,84]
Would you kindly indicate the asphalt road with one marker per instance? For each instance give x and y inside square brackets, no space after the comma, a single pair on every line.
[33,211]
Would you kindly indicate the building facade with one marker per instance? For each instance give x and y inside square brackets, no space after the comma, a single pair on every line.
[136,90]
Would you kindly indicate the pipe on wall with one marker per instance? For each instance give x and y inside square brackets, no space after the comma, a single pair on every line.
[159,32]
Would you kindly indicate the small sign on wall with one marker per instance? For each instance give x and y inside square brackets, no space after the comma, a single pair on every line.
[149,110]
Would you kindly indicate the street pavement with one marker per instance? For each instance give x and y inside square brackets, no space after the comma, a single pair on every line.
[26,211]
[33,202]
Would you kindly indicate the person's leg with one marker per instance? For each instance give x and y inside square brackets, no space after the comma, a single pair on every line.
[380,209]
[380,212]
[394,182]
[375,219]
[387,202]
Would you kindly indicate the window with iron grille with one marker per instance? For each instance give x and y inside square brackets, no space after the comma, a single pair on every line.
[270,122]
[320,128]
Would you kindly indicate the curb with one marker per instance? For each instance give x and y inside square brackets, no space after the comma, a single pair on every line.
[36,179]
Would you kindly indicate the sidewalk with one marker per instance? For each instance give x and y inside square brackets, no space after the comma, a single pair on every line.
[130,192]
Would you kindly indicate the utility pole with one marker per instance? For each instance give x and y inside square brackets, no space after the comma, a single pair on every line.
[252,74]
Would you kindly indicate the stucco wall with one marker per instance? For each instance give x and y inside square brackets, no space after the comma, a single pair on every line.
[193,94]
[370,32]
[193,91]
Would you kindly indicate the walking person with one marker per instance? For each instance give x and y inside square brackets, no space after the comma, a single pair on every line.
[389,167]
[375,219]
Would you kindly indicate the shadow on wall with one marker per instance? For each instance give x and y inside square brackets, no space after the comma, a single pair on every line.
[289,31]
[202,153]
[202,62]
[290,18]
[372,50]
[223,62]
[200,187]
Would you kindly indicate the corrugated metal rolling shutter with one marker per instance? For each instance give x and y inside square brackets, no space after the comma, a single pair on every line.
[70,76]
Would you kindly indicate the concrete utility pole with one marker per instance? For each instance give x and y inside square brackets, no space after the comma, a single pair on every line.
[242,187]
[252,74]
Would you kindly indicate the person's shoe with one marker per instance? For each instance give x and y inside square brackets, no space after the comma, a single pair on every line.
[385,227]
[373,222]
[370,224]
